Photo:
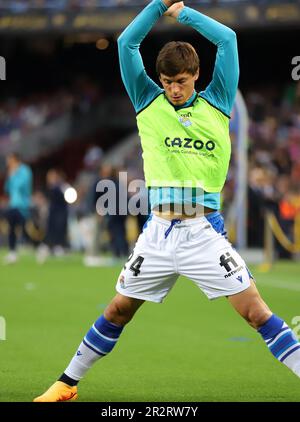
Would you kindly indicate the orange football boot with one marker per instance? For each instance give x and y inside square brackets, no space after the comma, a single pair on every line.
[59,391]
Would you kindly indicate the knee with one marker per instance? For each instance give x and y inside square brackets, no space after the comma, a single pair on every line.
[257,317]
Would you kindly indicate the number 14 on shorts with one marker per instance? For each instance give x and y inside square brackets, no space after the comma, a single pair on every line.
[135,265]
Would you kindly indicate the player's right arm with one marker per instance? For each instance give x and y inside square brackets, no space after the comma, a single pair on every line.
[222,90]
[140,87]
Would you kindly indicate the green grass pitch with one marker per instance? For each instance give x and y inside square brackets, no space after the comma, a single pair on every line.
[187,349]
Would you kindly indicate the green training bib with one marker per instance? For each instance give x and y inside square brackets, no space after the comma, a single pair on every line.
[189,147]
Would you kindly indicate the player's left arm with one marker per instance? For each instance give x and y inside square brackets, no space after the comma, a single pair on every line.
[140,87]
[222,89]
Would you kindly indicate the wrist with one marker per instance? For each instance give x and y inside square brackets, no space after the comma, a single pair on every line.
[179,12]
[168,3]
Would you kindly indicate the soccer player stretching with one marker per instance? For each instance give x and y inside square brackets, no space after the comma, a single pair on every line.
[185,138]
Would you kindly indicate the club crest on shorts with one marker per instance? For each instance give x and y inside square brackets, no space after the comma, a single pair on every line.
[122,281]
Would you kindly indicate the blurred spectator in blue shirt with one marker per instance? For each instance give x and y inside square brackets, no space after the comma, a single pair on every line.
[18,187]
[57,222]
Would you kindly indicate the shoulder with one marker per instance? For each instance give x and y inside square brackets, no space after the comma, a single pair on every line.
[25,170]
[211,102]
[157,99]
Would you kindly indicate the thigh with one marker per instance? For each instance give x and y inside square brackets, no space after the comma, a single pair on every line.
[10,216]
[149,273]
[212,263]
[14,217]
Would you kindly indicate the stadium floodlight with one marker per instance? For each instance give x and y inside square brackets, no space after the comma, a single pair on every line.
[102,44]
[70,195]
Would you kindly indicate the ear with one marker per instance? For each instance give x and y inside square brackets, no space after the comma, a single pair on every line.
[196,77]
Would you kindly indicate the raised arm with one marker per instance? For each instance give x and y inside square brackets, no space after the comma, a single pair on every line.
[221,91]
[140,87]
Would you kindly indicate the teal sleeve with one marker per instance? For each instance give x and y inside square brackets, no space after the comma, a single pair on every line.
[222,89]
[140,87]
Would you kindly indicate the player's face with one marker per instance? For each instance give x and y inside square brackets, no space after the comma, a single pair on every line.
[11,162]
[179,88]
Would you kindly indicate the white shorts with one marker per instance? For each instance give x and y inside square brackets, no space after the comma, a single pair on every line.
[196,248]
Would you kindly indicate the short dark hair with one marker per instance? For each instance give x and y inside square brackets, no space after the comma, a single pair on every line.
[177,57]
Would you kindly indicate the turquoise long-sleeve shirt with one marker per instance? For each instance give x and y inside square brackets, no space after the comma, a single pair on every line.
[141,89]
[18,186]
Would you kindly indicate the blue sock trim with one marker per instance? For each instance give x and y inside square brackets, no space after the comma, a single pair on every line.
[290,352]
[271,328]
[102,336]
[284,343]
[104,346]
[281,331]
[107,328]
[94,350]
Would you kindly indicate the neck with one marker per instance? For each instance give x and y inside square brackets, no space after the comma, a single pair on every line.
[13,167]
[190,99]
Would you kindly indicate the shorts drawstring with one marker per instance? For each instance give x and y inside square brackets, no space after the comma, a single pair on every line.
[173,222]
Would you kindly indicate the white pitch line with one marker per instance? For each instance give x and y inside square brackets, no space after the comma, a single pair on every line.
[281,285]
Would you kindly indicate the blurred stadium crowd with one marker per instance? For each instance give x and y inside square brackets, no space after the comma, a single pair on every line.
[57,223]
[20,6]
[274,158]
[273,182]
[21,116]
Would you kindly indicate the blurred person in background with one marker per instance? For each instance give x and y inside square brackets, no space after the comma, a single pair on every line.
[256,204]
[116,224]
[18,187]
[92,225]
[262,194]
[36,226]
[289,210]
[114,221]
[57,222]
[93,158]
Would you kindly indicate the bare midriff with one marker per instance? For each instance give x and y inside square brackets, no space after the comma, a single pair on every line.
[171,214]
